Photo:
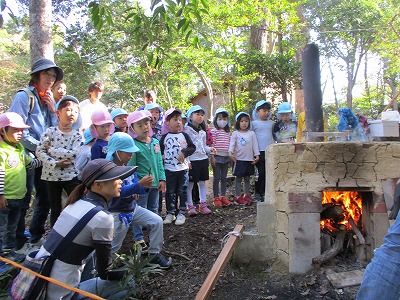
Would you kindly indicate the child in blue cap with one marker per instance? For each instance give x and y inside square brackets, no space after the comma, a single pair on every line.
[120,118]
[125,211]
[286,129]
[198,173]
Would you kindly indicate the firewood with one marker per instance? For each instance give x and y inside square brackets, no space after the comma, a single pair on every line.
[334,212]
[358,233]
[332,252]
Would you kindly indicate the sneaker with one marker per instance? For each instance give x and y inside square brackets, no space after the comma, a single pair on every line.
[192,210]
[204,209]
[160,261]
[248,199]
[3,268]
[257,197]
[169,218]
[225,201]
[26,248]
[27,234]
[142,244]
[38,243]
[217,201]
[180,219]
[241,200]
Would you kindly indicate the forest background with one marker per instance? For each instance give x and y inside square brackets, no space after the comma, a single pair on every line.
[246,50]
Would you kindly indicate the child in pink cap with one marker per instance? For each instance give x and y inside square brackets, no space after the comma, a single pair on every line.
[101,129]
[13,161]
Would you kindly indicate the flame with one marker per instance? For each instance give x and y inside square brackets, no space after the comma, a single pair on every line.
[350,202]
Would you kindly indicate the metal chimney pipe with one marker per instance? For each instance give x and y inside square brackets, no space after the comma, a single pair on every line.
[312,91]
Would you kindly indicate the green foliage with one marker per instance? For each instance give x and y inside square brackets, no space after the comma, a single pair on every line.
[137,268]
[276,74]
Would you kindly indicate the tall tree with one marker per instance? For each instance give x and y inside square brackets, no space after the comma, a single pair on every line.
[41,43]
[346,31]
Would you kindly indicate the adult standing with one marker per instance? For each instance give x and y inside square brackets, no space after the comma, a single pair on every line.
[37,108]
[92,104]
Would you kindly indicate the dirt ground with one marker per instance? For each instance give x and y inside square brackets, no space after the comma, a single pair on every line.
[195,246]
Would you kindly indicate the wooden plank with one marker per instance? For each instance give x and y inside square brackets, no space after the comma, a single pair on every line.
[219,265]
[344,279]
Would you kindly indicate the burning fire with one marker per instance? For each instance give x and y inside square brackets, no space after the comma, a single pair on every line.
[350,203]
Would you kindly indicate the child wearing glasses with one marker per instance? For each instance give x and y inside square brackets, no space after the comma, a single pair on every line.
[244,152]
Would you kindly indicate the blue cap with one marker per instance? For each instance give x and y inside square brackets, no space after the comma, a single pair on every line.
[153,105]
[193,109]
[221,110]
[262,102]
[117,112]
[284,107]
[87,136]
[241,113]
[120,141]
[67,98]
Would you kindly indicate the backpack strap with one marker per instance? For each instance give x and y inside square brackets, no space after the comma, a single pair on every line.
[31,98]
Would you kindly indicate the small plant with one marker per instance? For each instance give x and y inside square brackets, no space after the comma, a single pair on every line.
[137,268]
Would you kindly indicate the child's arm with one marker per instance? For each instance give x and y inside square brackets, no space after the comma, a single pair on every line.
[42,150]
[232,147]
[191,148]
[67,151]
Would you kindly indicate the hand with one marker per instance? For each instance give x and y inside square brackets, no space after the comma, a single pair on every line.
[49,102]
[3,202]
[181,158]
[232,157]
[63,163]
[190,166]
[256,159]
[162,186]
[147,181]
[213,160]
[213,150]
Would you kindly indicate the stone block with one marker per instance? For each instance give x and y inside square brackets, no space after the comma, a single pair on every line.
[253,249]
[282,242]
[282,222]
[304,241]
[266,219]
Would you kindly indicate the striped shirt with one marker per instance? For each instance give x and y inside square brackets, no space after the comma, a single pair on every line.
[221,140]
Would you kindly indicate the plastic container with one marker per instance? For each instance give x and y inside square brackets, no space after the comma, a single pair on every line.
[383,128]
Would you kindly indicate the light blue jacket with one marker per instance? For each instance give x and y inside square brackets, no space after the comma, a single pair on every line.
[39,119]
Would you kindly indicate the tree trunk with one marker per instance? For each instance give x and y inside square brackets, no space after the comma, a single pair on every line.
[41,44]
[209,91]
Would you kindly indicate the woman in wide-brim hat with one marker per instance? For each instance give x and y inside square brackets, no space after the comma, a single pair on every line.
[36,106]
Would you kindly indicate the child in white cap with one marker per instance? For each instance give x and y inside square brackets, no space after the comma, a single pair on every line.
[13,160]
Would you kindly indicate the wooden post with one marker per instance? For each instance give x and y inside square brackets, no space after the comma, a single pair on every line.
[219,265]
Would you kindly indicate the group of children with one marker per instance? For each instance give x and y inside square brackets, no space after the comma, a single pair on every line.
[172,157]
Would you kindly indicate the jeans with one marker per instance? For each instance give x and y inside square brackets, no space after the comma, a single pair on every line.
[9,218]
[140,217]
[260,183]
[220,171]
[177,184]
[55,188]
[26,201]
[381,277]
[109,290]
[148,200]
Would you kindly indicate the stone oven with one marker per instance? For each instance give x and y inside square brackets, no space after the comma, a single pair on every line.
[287,233]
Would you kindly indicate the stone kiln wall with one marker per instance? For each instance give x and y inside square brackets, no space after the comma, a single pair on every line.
[288,234]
